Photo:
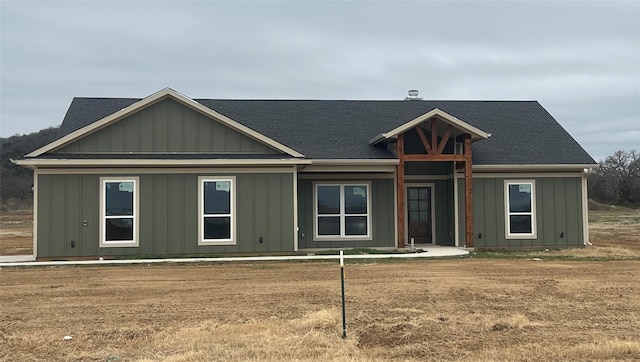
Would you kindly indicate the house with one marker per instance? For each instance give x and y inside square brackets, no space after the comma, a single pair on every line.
[168,175]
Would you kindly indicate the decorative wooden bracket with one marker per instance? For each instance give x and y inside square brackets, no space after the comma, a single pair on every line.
[433,147]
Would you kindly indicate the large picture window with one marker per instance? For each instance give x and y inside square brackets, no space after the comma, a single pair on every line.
[217,202]
[342,211]
[520,206]
[118,211]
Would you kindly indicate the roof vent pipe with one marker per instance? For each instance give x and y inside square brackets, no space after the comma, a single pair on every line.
[413,95]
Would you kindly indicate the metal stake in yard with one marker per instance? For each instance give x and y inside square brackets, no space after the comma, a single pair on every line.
[344,315]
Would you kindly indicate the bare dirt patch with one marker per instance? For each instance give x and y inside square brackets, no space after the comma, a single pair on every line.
[466,309]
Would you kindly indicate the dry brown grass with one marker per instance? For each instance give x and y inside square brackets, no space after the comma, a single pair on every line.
[16,233]
[467,310]
[429,310]
[615,227]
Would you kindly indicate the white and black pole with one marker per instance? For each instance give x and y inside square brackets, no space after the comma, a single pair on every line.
[344,316]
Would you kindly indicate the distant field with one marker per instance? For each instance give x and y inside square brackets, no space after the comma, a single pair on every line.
[529,307]
[16,233]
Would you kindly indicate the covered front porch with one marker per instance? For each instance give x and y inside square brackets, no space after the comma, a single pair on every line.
[434,183]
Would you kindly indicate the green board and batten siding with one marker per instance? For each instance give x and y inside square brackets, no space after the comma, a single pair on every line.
[168,215]
[167,127]
[558,212]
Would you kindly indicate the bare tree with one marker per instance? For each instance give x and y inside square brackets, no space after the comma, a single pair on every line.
[617,179]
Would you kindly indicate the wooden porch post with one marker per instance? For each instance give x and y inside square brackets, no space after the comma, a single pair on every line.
[400,191]
[468,188]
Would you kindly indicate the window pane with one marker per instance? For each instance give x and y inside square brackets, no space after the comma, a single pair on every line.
[413,194]
[424,216]
[424,205]
[520,198]
[355,199]
[520,224]
[414,216]
[119,229]
[329,225]
[328,200]
[217,197]
[414,206]
[119,198]
[355,225]
[217,227]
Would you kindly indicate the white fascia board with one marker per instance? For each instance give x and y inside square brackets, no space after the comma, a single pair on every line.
[344,161]
[155,97]
[446,117]
[351,165]
[533,167]
[158,162]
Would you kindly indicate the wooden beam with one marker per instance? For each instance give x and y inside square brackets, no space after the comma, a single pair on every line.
[426,144]
[434,135]
[400,190]
[444,157]
[468,188]
[443,141]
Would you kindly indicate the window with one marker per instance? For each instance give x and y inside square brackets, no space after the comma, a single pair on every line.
[342,211]
[118,212]
[521,209]
[217,202]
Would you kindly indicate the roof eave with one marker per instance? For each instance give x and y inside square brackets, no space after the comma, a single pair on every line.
[32,163]
[533,167]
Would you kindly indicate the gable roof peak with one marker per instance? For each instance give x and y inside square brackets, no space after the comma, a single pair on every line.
[154,98]
[476,133]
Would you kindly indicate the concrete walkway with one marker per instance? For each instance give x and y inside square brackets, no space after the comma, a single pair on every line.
[429,252]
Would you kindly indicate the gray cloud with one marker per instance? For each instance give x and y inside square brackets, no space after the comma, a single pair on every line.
[581,60]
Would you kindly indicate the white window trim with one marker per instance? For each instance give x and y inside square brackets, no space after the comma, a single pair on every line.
[342,215]
[507,213]
[232,211]
[104,243]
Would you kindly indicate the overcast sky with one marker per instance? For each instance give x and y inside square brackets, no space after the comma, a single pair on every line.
[580,60]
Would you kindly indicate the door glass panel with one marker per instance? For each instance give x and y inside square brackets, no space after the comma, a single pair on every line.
[413,193]
[414,216]
[423,193]
[414,206]
[424,205]
[424,216]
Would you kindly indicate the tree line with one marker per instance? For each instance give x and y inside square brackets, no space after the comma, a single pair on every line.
[15,181]
[615,181]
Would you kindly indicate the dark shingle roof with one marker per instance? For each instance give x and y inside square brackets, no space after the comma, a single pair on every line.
[523,132]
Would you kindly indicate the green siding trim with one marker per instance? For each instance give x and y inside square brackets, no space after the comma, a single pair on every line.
[559,220]
[168,215]
[166,127]
[382,216]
